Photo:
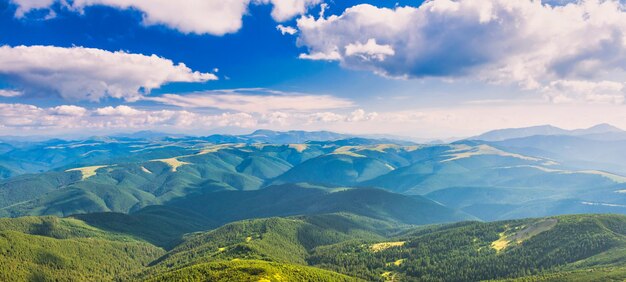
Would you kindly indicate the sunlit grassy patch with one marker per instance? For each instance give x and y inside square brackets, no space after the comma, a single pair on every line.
[386,245]
[464,151]
[213,149]
[299,147]
[613,177]
[348,151]
[501,243]
[515,236]
[87,171]
[174,163]
[389,276]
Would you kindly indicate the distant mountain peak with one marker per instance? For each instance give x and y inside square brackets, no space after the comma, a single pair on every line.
[603,128]
[510,133]
[263,132]
[546,130]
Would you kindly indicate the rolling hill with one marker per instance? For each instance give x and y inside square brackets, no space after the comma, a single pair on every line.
[163,172]
[50,248]
[487,251]
[322,247]
[210,210]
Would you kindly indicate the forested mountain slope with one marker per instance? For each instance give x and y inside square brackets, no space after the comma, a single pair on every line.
[160,174]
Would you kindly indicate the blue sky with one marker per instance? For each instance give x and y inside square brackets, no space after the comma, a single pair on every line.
[440,69]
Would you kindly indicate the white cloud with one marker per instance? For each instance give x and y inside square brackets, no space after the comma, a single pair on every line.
[325,117]
[361,115]
[25,6]
[322,56]
[79,119]
[459,120]
[90,74]
[18,115]
[69,110]
[287,9]
[121,110]
[573,91]
[261,101]
[9,93]
[501,41]
[286,29]
[370,50]
[216,17]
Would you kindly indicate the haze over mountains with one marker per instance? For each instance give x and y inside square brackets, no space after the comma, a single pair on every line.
[597,131]
[184,206]
[494,179]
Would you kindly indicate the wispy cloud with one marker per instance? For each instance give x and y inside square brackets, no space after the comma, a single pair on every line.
[9,93]
[254,101]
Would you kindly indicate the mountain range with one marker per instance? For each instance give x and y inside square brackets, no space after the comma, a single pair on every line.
[597,131]
[315,206]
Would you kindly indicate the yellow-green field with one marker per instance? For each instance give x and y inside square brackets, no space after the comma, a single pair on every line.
[464,151]
[87,171]
[386,245]
[174,163]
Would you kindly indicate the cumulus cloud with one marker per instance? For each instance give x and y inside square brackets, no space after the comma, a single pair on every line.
[90,74]
[286,29]
[19,115]
[286,9]
[216,17]
[68,110]
[121,110]
[259,101]
[370,50]
[525,42]
[361,115]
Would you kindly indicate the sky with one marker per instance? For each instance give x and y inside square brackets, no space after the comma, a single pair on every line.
[433,69]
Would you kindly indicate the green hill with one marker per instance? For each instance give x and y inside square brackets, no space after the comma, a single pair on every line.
[286,200]
[485,251]
[164,225]
[250,270]
[325,247]
[53,249]
[275,239]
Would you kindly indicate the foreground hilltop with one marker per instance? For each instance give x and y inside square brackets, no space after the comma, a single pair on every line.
[330,247]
